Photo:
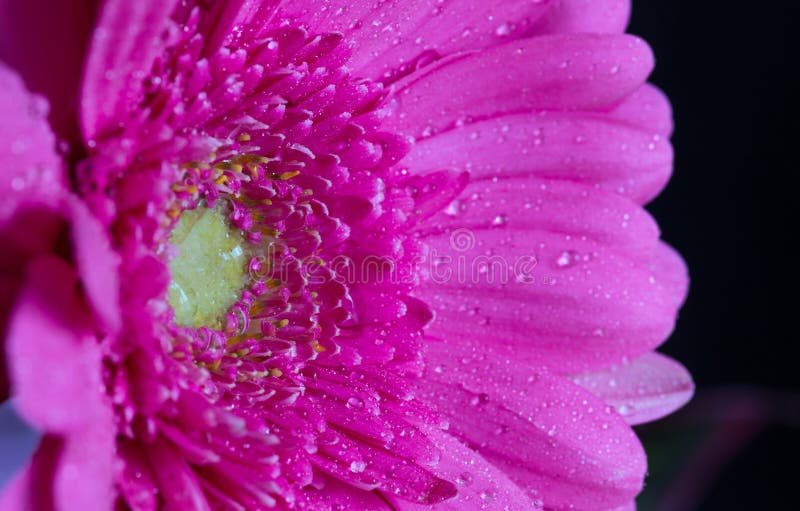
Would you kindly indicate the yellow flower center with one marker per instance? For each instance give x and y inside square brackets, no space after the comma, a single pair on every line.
[209,272]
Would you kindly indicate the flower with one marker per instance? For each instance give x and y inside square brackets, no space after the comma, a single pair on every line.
[349,255]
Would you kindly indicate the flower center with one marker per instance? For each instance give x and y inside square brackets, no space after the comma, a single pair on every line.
[209,272]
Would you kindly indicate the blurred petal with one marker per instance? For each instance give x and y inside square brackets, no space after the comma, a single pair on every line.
[70,472]
[54,361]
[96,263]
[30,169]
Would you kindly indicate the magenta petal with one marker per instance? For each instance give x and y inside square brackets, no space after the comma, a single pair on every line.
[337,496]
[587,149]
[54,361]
[547,434]
[642,390]
[70,472]
[30,170]
[84,476]
[527,203]
[648,108]
[585,16]
[178,483]
[550,298]
[415,26]
[128,37]
[480,485]
[45,42]
[388,35]
[97,265]
[560,72]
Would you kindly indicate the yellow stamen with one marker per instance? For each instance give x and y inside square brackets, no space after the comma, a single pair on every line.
[209,272]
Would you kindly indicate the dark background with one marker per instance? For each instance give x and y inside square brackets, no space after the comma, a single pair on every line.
[727,67]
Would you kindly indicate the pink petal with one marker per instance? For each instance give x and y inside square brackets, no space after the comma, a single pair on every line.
[70,472]
[84,477]
[337,496]
[547,434]
[551,206]
[646,389]
[32,183]
[128,38]
[552,292]
[54,360]
[560,72]
[674,275]
[97,265]
[179,485]
[43,39]
[480,485]
[648,108]
[582,148]
[31,170]
[386,35]
[585,16]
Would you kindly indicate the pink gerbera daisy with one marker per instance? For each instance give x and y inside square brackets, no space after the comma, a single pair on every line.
[364,255]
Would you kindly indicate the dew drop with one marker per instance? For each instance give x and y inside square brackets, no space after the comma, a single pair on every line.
[358,467]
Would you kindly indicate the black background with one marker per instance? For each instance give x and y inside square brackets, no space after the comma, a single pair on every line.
[728,68]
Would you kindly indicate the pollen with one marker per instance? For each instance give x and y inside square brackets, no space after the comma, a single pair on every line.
[209,271]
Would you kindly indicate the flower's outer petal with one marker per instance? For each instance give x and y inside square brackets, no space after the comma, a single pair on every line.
[54,363]
[385,36]
[96,263]
[46,42]
[643,390]
[648,108]
[32,181]
[559,207]
[128,38]
[84,477]
[559,72]
[583,148]
[480,485]
[585,16]
[597,309]
[631,506]
[67,472]
[560,274]
[547,434]
[30,169]
[668,263]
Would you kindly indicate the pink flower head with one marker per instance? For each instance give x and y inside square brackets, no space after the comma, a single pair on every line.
[362,255]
